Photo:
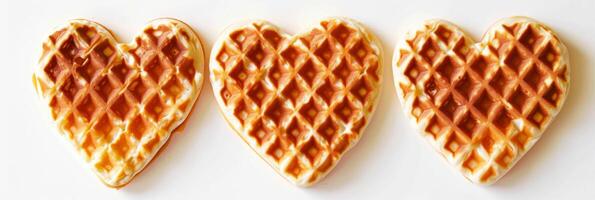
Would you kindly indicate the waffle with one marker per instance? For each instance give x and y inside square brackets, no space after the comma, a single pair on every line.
[119,103]
[300,102]
[482,106]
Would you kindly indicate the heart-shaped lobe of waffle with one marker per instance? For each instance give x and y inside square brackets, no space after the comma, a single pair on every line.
[482,106]
[119,103]
[299,101]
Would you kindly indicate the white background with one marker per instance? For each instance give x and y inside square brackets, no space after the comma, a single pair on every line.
[208,161]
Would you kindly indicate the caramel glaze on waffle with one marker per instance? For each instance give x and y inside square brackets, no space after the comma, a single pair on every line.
[299,101]
[482,106]
[119,103]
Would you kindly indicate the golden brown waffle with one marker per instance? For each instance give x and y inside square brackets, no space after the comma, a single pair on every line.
[482,106]
[119,103]
[299,101]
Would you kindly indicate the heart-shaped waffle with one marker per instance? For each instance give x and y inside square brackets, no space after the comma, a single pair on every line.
[482,105]
[299,101]
[119,103]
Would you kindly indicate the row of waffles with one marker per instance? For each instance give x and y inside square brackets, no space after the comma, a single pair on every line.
[302,101]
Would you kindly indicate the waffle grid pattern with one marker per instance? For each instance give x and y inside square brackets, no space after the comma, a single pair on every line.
[299,101]
[118,104]
[482,106]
